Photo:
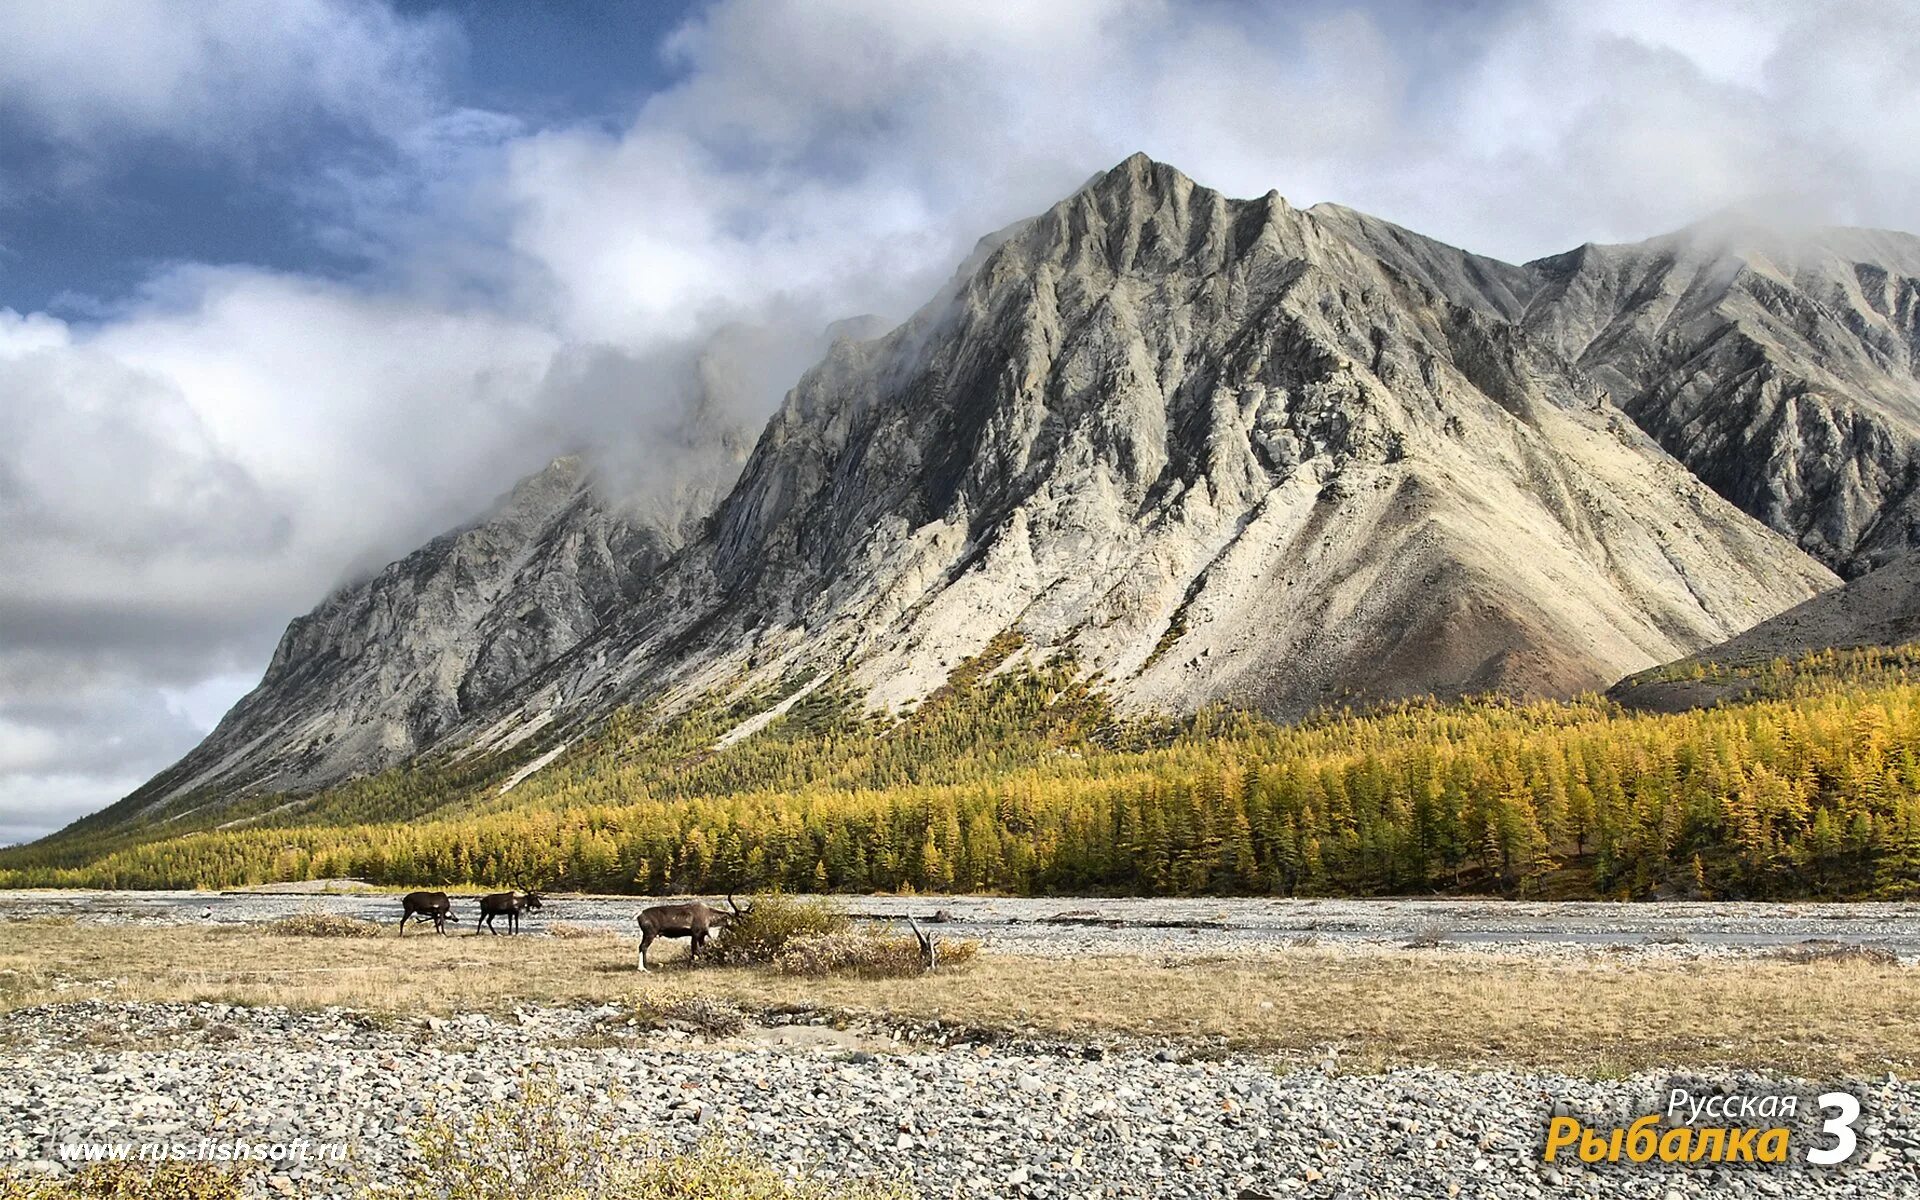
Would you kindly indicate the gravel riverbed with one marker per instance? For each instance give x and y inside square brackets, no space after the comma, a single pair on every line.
[960,1118]
[1069,926]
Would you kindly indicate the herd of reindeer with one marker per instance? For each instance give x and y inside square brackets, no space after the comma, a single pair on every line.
[694,920]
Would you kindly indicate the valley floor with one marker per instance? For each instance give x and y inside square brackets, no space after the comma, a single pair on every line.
[1186,1050]
[1071,926]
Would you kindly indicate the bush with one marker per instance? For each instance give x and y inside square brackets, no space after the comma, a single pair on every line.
[542,1147]
[133,1181]
[769,923]
[562,929]
[712,1171]
[690,1014]
[867,952]
[529,1148]
[324,924]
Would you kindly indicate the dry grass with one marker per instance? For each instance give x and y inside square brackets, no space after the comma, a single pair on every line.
[324,924]
[1601,1014]
[546,1145]
[135,1181]
[868,953]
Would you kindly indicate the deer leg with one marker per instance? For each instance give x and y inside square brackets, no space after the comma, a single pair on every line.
[403,923]
[646,939]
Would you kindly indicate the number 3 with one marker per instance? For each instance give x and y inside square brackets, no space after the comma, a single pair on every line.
[1840,1127]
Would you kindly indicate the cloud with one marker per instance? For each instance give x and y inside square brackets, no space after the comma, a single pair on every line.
[203,457]
[216,73]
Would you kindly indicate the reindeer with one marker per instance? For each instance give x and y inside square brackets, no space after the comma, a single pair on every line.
[508,904]
[694,921]
[425,905]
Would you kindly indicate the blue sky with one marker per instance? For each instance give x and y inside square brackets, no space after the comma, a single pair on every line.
[71,247]
[286,289]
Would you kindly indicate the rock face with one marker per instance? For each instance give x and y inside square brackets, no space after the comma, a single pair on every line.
[387,665]
[1784,369]
[1216,450]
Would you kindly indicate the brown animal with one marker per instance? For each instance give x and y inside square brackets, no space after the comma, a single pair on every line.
[426,905]
[694,921]
[507,904]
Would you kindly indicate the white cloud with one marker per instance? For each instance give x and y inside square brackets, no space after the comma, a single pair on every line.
[215,72]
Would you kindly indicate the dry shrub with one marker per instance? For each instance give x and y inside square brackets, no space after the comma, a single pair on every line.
[545,1147]
[533,1147]
[710,1015]
[867,953]
[562,929]
[324,924]
[713,1171]
[769,923]
[134,1181]
[1429,935]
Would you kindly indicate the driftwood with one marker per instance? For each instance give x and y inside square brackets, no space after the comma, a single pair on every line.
[929,951]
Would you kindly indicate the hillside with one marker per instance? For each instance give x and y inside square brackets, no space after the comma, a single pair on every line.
[1878,609]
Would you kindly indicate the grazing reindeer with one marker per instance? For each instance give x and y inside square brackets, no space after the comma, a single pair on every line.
[507,904]
[694,921]
[425,905]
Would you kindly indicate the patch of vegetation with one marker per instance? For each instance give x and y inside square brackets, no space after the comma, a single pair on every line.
[543,1147]
[710,1015]
[770,924]
[133,1181]
[868,953]
[324,924]
[714,1171]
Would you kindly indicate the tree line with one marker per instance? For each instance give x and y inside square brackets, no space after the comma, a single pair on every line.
[1025,781]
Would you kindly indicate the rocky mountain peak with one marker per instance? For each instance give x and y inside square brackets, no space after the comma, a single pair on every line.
[1217,449]
[1210,449]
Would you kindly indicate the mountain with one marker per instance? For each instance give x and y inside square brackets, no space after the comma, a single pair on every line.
[1782,367]
[1214,450]
[385,666]
[1881,608]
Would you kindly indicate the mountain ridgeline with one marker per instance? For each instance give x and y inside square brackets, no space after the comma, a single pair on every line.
[1201,454]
